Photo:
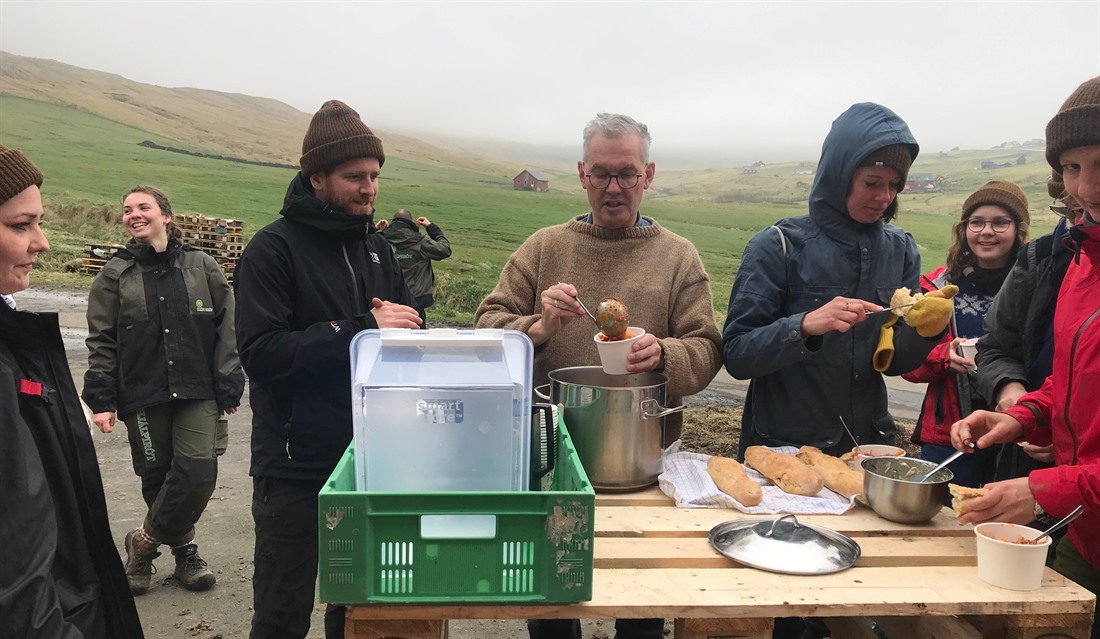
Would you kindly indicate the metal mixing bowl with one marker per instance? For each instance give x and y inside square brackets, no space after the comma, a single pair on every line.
[895,498]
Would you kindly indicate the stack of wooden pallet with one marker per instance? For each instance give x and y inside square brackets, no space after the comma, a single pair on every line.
[223,239]
[95,256]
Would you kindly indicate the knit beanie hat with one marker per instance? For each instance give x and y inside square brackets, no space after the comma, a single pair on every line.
[895,156]
[1076,124]
[336,134]
[1005,195]
[17,173]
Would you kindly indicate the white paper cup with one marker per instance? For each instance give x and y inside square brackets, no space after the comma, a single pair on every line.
[1009,565]
[969,349]
[613,354]
[873,450]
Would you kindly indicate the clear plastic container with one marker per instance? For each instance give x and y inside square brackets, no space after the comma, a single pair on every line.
[442,410]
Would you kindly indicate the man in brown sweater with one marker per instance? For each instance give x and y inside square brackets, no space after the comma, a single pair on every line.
[613,251]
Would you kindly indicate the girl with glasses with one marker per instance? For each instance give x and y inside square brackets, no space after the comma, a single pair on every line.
[987,237]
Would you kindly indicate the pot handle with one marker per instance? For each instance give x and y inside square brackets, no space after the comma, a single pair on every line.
[541,391]
[652,409]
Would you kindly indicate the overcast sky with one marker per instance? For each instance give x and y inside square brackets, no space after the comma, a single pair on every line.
[740,78]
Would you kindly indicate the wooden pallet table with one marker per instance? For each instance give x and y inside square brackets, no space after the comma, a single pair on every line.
[653,560]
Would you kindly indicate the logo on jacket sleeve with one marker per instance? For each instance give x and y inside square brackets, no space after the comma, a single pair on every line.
[374,257]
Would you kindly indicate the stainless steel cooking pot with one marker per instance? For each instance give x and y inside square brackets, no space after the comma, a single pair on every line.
[616,422]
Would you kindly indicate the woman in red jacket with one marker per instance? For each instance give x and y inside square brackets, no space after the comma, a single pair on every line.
[1065,411]
[991,230]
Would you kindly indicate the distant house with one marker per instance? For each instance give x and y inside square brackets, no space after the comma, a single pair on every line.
[915,182]
[748,170]
[989,164]
[530,181]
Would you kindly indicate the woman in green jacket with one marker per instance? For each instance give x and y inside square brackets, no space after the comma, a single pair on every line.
[163,358]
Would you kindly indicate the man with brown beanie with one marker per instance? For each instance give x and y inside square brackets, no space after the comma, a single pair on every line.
[1065,410]
[306,284]
[60,573]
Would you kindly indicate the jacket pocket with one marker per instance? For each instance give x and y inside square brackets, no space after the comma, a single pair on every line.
[221,437]
[809,298]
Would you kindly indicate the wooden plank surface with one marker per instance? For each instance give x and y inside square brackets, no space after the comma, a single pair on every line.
[654,560]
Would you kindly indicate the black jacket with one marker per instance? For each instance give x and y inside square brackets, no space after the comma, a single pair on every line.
[415,253]
[60,574]
[1018,345]
[304,287]
[160,327]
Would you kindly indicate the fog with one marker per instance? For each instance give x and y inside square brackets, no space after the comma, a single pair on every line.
[723,82]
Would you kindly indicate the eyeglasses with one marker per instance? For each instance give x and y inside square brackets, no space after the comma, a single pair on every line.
[1000,225]
[603,180]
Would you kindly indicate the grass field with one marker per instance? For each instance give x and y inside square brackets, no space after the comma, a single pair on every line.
[90,161]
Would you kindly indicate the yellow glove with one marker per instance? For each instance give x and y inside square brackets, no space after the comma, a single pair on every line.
[931,313]
[884,352]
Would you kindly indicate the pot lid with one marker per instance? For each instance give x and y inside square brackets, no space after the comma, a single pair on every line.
[787,547]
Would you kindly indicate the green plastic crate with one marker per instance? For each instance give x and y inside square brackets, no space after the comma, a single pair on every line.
[528,547]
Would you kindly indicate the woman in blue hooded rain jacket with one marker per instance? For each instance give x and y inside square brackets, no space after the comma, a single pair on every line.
[803,324]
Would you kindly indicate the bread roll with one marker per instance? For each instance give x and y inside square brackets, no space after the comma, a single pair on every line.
[962,497]
[730,478]
[785,471]
[835,473]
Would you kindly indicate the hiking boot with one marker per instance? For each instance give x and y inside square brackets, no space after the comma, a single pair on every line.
[191,569]
[141,550]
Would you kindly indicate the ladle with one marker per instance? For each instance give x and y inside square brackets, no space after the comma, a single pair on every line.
[859,451]
[943,464]
[1061,522]
[611,317]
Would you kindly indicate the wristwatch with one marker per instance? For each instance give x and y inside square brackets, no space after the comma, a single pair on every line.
[1038,511]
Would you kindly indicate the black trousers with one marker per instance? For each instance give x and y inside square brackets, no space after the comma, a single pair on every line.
[571,628]
[285,571]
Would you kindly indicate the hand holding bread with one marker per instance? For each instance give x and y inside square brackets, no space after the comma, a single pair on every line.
[963,497]
[785,471]
[730,477]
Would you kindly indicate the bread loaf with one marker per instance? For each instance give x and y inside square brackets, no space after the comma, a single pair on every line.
[835,473]
[962,497]
[785,471]
[730,478]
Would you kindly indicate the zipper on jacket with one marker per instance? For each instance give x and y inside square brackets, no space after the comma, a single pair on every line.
[1069,384]
[354,285]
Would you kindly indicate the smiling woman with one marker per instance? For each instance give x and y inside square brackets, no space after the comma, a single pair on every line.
[61,575]
[992,228]
[163,358]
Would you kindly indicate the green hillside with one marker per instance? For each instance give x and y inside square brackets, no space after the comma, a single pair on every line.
[90,161]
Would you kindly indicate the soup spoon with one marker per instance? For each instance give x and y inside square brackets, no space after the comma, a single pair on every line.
[1061,522]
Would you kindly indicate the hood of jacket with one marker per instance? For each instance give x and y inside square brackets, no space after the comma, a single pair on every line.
[402,233]
[302,206]
[863,128]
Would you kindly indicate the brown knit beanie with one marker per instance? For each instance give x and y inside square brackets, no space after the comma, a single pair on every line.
[17,173]
[1077,123]
[895,156]
[1005,195]
[336,134]
[1056,188]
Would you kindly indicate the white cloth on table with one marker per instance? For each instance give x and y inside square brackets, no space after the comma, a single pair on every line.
[684,478]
